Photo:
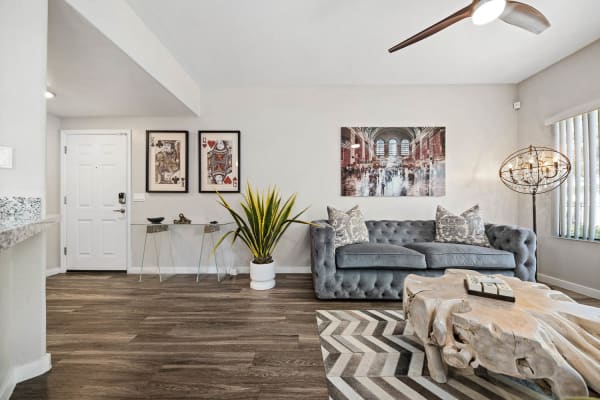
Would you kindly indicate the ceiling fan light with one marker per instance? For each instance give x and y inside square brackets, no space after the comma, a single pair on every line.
[488,10]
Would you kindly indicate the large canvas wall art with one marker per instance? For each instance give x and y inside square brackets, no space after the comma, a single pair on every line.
[167,161]
[219,161]
[393,161]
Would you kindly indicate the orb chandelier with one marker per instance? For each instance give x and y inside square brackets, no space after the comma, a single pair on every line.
[534,170]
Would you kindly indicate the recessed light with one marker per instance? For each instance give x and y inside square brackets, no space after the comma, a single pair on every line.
[355,146]
[50,95]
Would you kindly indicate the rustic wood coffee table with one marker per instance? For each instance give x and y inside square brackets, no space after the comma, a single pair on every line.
[544,335]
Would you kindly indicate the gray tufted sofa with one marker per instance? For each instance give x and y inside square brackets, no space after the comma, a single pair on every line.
[376,270]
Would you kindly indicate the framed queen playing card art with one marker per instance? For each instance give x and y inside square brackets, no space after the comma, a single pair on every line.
[219,161]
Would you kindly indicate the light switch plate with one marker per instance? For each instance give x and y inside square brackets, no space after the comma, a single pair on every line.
[6,157]
[139,197]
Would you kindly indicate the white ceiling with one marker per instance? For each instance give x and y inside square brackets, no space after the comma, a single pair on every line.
[92,77]
[344,42]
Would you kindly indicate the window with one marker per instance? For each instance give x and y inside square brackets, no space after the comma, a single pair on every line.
[404,147]
[380,148]
[577,203]
[393,148]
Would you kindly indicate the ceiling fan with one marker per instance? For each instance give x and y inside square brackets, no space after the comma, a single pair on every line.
[483,12]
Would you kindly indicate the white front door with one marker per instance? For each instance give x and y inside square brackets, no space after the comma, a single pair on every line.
[95,176]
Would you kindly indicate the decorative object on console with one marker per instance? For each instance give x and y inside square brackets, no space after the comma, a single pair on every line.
[219,167]
[393,161]
[534,170]
[156,220]
[261,226]
[349,226]
[166,161]
[213,226]
[182,220]
[466,228]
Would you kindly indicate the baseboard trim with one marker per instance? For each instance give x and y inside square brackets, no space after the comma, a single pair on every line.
[281,269]
[22,373]
[33,368]
[575,287]
[53,271]
[8,386]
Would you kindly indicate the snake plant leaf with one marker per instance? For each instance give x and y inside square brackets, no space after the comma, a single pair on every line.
[263,221]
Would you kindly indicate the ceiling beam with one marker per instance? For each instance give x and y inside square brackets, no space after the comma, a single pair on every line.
[119,23]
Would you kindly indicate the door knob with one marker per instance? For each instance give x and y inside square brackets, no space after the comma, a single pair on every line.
[121,210]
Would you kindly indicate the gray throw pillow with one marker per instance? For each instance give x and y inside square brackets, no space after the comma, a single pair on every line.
[349,226]
[466,228]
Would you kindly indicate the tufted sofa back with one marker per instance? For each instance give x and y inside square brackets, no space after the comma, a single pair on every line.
[401,232]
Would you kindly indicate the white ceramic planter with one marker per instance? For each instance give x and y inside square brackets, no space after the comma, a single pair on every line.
[262,276]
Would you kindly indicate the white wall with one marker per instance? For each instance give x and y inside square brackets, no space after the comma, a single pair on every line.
[567,84]
[22,79]
[23,36]
[291,137]
[53,153]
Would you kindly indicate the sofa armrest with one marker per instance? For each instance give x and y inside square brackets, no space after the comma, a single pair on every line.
[519,241]
[322,256]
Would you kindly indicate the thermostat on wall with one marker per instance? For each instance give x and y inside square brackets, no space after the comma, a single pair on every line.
[6,157]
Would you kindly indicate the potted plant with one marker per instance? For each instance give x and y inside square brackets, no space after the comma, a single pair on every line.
[261,226]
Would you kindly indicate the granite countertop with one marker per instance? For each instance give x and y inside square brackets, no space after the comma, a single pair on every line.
[15,229]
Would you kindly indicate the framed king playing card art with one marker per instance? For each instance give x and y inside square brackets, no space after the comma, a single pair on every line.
[219,161]
[167,161]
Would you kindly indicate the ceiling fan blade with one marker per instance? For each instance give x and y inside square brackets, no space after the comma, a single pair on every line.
[524,16]
[435,28]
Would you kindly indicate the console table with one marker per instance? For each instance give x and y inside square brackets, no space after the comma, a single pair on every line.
[544,335]
[207,231]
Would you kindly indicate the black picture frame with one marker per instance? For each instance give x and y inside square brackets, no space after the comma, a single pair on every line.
[151,187]
[234,178]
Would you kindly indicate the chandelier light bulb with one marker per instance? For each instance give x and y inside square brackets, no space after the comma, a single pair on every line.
[488,10]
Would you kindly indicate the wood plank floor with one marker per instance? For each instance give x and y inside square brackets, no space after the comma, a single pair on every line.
[112,337]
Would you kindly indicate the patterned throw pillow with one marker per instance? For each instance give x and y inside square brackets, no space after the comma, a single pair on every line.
[349,226]
[466,228]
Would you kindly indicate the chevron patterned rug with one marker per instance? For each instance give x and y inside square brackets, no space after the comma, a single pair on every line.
[372,355]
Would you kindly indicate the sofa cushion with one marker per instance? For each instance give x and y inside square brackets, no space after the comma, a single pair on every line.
[378,256]
[466,228]
[452,255]
[349,226]
[401,232]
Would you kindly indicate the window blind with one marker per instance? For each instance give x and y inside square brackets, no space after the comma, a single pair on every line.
[577,202]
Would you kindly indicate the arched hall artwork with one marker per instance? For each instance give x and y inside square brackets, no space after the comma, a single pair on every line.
[393,161]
